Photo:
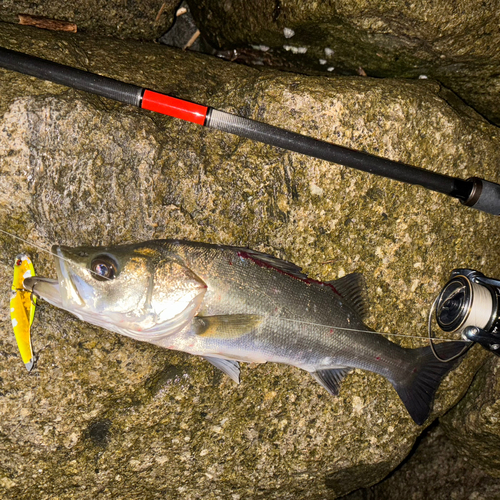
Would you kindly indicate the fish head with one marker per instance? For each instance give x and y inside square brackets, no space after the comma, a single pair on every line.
[137,290]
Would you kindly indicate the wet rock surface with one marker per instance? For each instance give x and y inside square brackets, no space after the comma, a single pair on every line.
[103,415]
[456,43]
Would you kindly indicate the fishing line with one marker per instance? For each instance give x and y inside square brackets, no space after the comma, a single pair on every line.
[431,338]
[43,249]
[31,243]
[370,331]
[308,323]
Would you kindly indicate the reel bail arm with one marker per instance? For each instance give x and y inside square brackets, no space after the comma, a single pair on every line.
[489,340]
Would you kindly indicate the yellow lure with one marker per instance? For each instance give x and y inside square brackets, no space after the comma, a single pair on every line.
[22,308]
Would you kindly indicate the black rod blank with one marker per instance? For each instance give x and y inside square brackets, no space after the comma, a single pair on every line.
[475,192]
[359,160]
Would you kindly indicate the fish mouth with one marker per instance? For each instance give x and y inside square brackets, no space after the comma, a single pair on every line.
[58,292]
[68,290]
[45,288]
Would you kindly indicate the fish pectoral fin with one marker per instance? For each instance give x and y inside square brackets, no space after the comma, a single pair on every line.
[229,326]
[229,367]
[331,379]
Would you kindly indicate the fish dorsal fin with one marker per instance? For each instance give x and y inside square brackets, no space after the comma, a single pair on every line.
[331,379]
[229,367]
[265,260]
[353,288]
[230,326]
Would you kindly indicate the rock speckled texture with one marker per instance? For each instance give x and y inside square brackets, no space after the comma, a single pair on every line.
[457,43]
[105,416]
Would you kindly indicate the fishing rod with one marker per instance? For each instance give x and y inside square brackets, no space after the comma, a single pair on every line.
[474,192]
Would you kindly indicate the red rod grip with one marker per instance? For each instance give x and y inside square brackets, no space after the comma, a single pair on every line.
[171,106]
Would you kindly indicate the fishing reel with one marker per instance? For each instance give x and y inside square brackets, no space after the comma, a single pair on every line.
[469,304]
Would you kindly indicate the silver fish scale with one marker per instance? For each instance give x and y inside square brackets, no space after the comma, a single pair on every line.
[293,311]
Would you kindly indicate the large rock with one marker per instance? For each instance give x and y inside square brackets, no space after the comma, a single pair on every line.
[144,20]
[474,424]
[457,43]
[103,415]
[437,470]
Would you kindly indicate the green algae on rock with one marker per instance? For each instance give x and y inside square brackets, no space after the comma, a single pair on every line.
[110,417]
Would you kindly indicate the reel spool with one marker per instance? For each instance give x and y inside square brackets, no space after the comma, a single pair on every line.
[469,305]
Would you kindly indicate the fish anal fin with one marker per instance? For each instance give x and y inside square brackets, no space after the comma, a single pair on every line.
[229,367]
[231,326]
[331,379]
[353,288]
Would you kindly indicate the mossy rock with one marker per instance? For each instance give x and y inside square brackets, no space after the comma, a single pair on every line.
[103,415]
[144,20]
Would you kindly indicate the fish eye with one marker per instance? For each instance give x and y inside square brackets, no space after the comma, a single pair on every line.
[104,268]
[19,262]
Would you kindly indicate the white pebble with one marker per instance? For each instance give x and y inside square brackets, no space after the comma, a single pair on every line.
[263,48]
[422,77]
[315,189]
[288,32]
[295,50]
[331,68]
[322,61]
[328,52]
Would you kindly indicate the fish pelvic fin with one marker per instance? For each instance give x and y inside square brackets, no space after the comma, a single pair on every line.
[417,390]
[331,379]
[353,288]
[229,367]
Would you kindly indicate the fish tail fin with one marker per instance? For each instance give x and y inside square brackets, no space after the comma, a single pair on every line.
[417,390]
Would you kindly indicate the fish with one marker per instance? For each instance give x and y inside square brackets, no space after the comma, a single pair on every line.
[22,308]
[231,305]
